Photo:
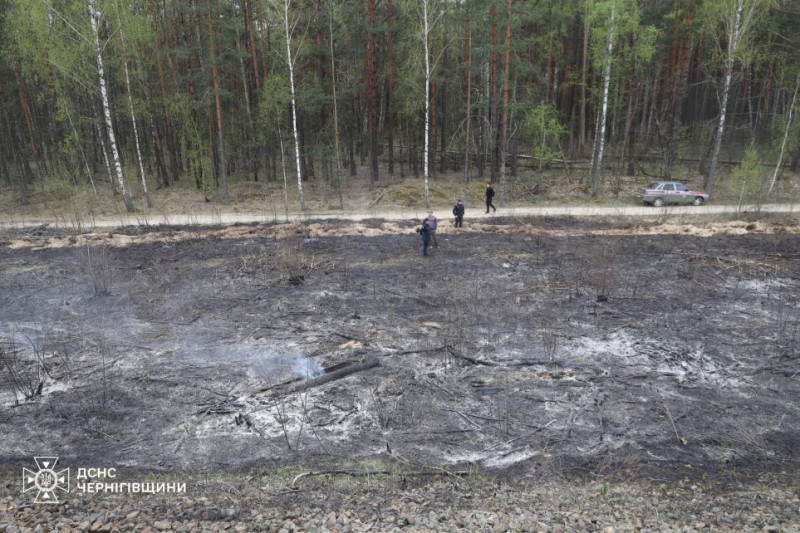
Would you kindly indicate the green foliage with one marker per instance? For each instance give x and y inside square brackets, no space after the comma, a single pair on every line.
[623,17]
[541,126]
[749,179]
[274,101]
[50,44]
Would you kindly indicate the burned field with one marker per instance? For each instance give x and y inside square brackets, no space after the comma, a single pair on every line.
[533,348]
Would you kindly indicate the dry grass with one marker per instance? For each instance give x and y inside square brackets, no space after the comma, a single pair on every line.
[78,204]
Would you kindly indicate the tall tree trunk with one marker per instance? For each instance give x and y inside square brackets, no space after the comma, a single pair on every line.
[433,113]
[468,75]
[371,96]
[720,130]
[23,99]
[504,123]
[737,27]
[428,73]
[101,139]
[391,73]
[678,96]
[337,151]
[599,141]
[139,159]
[248,14]
[493,121]
[172,175]
[290,63]
[94,15]
[628,136]
[223,170]
[285,178]
[584,70]
[252,155]
[785,136]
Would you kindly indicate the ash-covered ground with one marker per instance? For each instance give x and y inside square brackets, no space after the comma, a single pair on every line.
[541,347]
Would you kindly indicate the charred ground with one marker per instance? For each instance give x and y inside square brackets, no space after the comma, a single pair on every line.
[533,347]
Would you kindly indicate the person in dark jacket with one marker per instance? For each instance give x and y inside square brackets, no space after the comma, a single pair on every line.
[458,212]
[489,197]
[425,232]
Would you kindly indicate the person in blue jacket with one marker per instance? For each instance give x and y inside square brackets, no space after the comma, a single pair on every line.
[425,232]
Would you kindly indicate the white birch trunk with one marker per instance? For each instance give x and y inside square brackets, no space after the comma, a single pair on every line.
[712,167]
[597,161]
[738,26]
[290,63]
[468,136]
[94,15]
[426,22]
[136,138]
[785,137]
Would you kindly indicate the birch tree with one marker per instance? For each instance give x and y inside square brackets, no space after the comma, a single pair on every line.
[289,26]
[426,14]
[131,109]
[504,121]
[94,15]
[614,22]
[429,19]
[736,18]
[468,74]
[600,133]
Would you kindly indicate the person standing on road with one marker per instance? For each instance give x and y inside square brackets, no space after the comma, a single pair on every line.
[458,212]
[433,223]
[425,232]
[489,197]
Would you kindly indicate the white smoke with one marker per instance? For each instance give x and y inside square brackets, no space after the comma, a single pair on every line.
[273,365]
[265,363]
[307,368]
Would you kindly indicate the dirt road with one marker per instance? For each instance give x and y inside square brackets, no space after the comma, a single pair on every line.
[222,218]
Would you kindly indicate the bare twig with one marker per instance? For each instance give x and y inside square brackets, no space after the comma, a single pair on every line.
[671,420]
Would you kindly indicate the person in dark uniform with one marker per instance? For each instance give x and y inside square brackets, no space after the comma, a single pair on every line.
[458,212]
[489,197]
[425,232]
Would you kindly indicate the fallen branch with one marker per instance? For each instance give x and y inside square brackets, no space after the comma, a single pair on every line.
[276,385]
[338,374]
[469,359]
[374,202]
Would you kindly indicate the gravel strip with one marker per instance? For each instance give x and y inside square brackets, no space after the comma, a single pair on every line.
[340,503]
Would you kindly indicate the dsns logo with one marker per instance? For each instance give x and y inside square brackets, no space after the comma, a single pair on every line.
[46,481]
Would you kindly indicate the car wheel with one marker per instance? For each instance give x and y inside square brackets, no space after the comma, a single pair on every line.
[658,202]
[698,200]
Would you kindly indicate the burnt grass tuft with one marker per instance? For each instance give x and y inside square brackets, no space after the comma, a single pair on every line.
[522,354]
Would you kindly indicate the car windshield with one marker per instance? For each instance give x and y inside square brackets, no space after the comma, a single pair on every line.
[652,186]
